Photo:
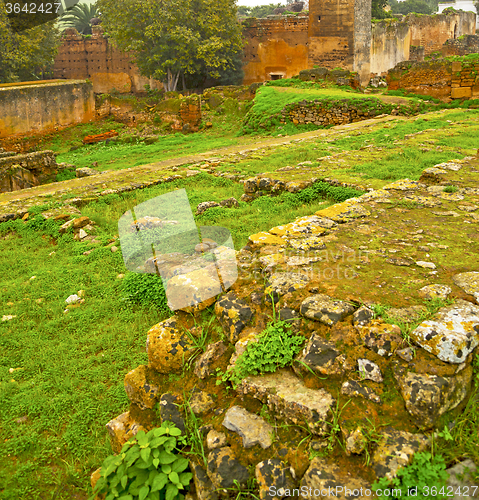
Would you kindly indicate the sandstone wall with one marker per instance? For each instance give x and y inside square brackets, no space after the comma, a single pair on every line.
[275,46]
[95,58]
[33,108]
[431,32]
[331,33]
[440,78]
[390,45]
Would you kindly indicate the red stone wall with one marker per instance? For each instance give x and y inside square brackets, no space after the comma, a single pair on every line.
[96,59]
[276,46]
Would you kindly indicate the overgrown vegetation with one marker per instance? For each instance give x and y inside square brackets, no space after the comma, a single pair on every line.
[149,467]
[274,348]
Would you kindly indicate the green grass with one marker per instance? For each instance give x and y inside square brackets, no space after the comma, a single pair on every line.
[69,368]
[405,163]
[270,100]
[118,156]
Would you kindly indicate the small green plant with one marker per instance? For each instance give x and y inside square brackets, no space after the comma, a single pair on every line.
[147,467]
[244,492]
[275,348]
[425,477]
[450,189]
[145,289]
[192,424]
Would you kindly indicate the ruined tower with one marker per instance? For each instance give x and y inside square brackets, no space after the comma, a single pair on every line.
[339,35]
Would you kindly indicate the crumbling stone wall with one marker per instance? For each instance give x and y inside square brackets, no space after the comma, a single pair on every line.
[431,32]
[428,78]
[439,78]
[96,59]
[391,44]
[27,170]
[275,47]
[466,44]
[465,79]
[336,76]
[326,114]
[34,108]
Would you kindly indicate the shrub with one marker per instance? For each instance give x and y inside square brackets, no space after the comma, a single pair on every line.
[147,468]
[450,189]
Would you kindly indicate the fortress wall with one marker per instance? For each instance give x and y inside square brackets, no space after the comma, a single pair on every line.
[95,58]
[331,33]
[33,108]
[276,46]
[390,45]
[431,32]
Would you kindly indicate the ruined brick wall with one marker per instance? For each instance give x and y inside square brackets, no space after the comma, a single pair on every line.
[95,58]
[431,32]
[467,44]
[465,79]
[34,108]
[439,78]
[339,35]
[274,46]
[428,78]
[391,41]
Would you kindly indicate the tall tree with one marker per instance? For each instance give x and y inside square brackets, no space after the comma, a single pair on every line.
[170,38]
[26,54]
[79,17]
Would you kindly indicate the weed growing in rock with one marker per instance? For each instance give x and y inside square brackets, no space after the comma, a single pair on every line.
[147,467]
[425,476]
[240,492]
[275,348]
[450,189]
[193,433]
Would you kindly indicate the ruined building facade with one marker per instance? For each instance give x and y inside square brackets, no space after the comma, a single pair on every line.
[335,33]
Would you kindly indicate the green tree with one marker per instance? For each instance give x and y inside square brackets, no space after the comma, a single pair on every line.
[79,17]
[173,38]
[377,9]
[408,6]
[27,54]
